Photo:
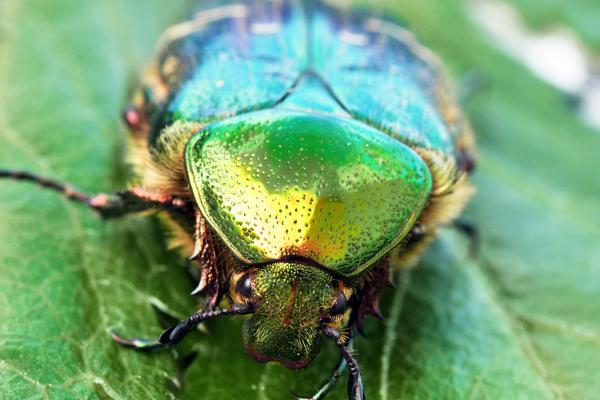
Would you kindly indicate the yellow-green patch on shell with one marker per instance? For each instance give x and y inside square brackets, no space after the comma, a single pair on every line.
[276,184]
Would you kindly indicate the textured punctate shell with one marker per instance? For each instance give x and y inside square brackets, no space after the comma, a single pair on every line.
[239,57]
[247,69]
[248,55]
[382,76]
[278,184]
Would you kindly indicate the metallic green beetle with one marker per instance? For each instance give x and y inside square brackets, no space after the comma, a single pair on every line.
[300,153]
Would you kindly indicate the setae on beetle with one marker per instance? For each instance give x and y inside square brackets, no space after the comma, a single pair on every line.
[300,153]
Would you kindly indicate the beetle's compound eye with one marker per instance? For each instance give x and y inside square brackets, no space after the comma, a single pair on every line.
[244,285]
[340,305]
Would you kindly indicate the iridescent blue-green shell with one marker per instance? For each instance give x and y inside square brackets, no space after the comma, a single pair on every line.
[247,72]
[248,55]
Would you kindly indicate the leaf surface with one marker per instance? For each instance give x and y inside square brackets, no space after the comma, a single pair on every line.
[519,322]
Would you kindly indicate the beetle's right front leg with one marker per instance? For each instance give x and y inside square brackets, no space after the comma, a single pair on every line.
[108,206]
[332,379]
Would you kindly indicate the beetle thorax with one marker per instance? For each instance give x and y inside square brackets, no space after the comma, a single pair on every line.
[281,184]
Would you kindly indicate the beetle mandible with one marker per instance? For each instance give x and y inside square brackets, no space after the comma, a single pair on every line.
[300,154]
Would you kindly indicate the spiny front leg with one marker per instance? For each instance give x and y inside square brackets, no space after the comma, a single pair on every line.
[212,279]
[355,386]
[176,333]
[108,206]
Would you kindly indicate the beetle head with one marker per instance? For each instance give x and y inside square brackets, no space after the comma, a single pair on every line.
[292,301]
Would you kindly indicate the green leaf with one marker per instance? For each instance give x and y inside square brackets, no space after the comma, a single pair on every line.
[519,322]
[578,15]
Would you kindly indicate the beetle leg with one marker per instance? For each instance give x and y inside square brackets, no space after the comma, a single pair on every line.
[332,379]
[206,253]
[176,333]
[108,206]
[367,299]
[471,231]
[165,316]
[137,343]
[355,385]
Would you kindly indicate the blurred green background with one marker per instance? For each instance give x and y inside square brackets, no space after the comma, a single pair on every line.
[519,322]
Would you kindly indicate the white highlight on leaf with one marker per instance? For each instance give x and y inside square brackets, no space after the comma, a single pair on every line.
[557,55]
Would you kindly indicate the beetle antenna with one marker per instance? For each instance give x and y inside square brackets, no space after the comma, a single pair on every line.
[355,386]
[176,333]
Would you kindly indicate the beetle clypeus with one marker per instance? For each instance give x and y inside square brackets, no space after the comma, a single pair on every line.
[300,153]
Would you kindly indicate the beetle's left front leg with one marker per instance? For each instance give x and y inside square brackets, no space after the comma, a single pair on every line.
[176,333]
[108,206]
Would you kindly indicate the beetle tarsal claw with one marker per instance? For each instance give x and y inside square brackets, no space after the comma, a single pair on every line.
[201,286]
[197,251]
[136,344]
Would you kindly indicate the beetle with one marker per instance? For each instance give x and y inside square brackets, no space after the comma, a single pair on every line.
[300,153]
